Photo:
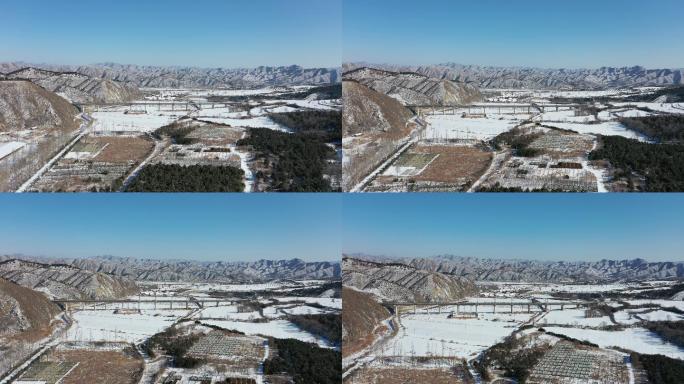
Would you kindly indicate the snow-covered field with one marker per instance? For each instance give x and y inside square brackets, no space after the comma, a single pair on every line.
[146,116]
[444,127]
[610,128]
[281,329]
[120,121]
[636,339]
[8,148]
[425,335]
[324,301]
[108,326]
[573,317]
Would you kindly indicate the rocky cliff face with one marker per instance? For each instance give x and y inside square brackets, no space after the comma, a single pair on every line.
[24,105]
[412,88]
[191,77]
[538,78]
[401,282]
[78,87]
[64,281]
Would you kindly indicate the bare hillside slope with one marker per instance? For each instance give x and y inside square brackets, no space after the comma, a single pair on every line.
[361,320]
[66,282]
[404,283]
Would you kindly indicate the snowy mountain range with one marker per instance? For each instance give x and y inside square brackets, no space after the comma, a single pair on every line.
[200,271]
[540,78]
[402,282]
[542,271]
[192,77]
[77,87]
[65,281]
[411,88]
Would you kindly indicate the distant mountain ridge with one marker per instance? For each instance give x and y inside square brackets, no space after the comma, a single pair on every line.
[412,88]
[193,77]
[543,271]
[65,281]
[540,78]
[403,282]
[77,87]
[202,271]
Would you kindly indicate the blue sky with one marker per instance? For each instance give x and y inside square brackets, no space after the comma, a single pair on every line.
[229,227]
[540,33]
[205,33]
[517,226]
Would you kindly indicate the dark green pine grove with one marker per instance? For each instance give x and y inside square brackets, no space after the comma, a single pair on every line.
[192,178]
[305,362]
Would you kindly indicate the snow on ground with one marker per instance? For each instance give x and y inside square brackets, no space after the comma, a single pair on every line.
[229,312]
[120,121]
[312,104]
[193,288]
[255,122]
[574,317]
[609,128]
[303,310]
[324,301]
[663,303]
[565,116]
[282,109]
[660,315]
[108,326]
[625,318]
[659,107]
[455,127]
[425,335]
[636,339]
[280,329]
[8,148]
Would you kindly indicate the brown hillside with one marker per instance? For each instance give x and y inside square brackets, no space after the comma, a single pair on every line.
[24,105]
[361,320]
[24,313]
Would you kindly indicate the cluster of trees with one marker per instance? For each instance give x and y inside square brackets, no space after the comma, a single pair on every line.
[672,331]
[568,338]
[510,355]
[499,188]
[325,92]
[297,161]
[191,178]
[305,121]
[663,128]
[239,380]
[328,326]
[174,345]
[306,363]
[660,369]
[178,132]
[662,165]
[673,94]
[519,141]
[317,291]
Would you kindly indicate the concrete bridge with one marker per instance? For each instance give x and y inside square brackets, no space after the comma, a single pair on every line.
[499,108]
[157,304]
[159,105]
[499,306]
